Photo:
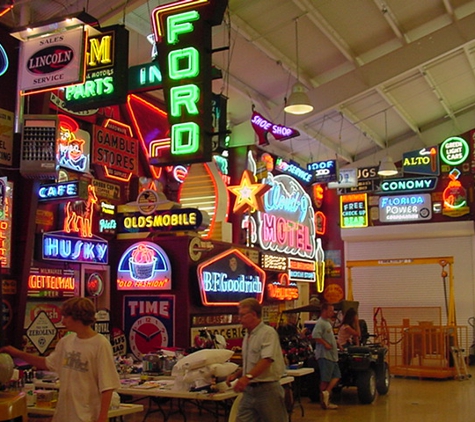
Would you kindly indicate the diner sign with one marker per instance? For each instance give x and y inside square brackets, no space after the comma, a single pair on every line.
[75,189]
[230,277]
[264,127]
[397,209]
[183,31]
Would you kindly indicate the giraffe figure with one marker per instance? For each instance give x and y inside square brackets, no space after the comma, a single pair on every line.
[78,218]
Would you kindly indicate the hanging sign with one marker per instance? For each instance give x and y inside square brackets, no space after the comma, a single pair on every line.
[323,171]
[183,32]
[407,185]
[454,151]
[52,61]
[264,127]
[368,180]
[293,168]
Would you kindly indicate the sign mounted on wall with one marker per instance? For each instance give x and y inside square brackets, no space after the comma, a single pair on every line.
[229,278]
[402,208]
[454,151]
[183,32]
[144,266]
[354,210]
[422,161]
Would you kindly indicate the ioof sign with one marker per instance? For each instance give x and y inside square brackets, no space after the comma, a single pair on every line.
[41,332]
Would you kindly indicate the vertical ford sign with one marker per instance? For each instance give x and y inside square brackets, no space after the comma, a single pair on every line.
[53,61]
[183,32]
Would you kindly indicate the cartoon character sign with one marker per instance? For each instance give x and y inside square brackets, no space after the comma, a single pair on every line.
[74,145]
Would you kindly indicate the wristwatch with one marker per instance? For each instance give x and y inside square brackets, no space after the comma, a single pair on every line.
[249,376]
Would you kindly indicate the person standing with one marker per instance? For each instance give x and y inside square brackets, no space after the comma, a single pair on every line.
[263,366]
[349,332]
[84,363]
[326,354]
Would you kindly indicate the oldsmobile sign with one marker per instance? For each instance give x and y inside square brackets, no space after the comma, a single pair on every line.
[53,61]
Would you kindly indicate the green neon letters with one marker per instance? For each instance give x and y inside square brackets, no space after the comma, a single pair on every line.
[183,63]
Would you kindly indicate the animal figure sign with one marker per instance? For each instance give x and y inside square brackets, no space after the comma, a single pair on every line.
[78,215]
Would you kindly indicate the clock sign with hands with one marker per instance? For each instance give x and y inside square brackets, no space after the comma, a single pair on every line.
[147,334]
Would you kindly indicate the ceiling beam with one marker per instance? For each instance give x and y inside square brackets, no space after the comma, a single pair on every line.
[330,95]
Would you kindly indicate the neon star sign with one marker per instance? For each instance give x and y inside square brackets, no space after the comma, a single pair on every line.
[248,194]
[183,32]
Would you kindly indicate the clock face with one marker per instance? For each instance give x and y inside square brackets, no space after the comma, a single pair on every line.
[147,335]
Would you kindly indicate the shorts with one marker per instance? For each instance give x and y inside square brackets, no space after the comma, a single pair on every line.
[328,370]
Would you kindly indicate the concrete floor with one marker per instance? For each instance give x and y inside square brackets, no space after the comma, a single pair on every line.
[408,400]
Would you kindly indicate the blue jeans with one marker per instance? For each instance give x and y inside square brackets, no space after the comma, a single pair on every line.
[263,403]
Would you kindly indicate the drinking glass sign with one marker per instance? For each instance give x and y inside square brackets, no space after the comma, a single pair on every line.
[397,209]
[144,266]
[454,151]
[183,33]
[229,278]
[354,210]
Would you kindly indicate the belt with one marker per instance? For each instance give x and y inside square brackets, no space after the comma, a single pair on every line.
[257,384]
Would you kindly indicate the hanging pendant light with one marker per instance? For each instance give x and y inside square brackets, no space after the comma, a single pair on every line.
[298,102]
[386,165]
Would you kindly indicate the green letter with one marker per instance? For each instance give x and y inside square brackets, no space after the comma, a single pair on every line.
[180,24]
[188,57]
[185,138]
[187,96]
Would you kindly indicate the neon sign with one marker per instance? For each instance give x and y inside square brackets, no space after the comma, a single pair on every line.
[323,171]
[6,228]
[78,219]
[287,225]
[144,266]
[455,197]
[408,185]
[294,169]
[263,127]
[284,289]
[454,151]
[4,63]
[63,190]
[396,209]
[301,270]
[183,32]
[354,210]
[60,247]
[74,145]
[423,161]
[106,71]
[230,277]
[43,281]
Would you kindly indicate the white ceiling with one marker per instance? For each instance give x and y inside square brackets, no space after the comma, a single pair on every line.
[396,72]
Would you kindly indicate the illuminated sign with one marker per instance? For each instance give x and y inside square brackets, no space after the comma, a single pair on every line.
[263,127]
[78,216]
[293,169]
[106,71]
[249,195]
[408,185]
[183,32]
[48,282]
[52,61]
[74,145]
[4,63]
[455,197]
[164,221]
[6,228]
[320,223]
[301,270]
[273,262]
[354,210]
[145,77]
[229,278]
[422,161]
[287,225]
[454,151]
[323,171]
[396,209]
[284,289]
[59,246]
[144,266]
[116,151]
[63,190]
